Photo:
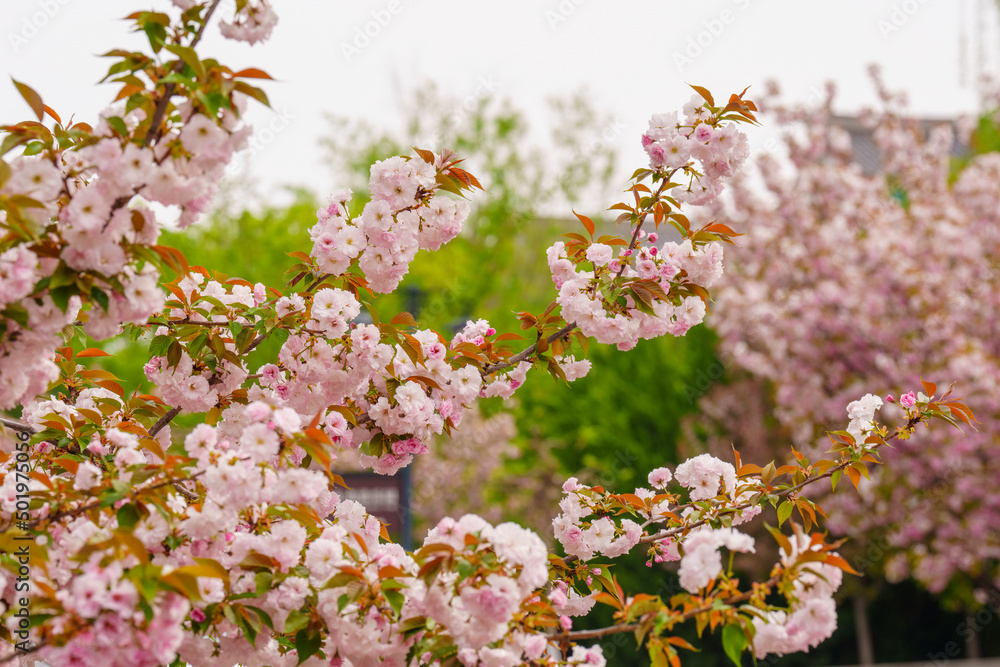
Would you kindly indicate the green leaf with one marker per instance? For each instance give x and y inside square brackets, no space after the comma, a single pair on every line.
[11,141]
[281,335]
[785,511]
[307,645]
[734,640]
[158,346]
[61,296]
[157,34]
[395,599]
[100,298]
[118,125]
[128,516]
[834,478]
[253,92]
[190,58]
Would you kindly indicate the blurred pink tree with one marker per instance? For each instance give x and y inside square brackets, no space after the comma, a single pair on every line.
[849,279]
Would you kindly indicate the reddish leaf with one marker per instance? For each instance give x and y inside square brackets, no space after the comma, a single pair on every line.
[252,73]
[425,155]
[52,113]
[92,352]
[853,475]
[929,387]
[405,319]
[587,223]
[704,93]
[318,435]
[837,561]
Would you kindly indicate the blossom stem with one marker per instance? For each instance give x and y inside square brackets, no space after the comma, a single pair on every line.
[687,616]
[525,353]
[153,133]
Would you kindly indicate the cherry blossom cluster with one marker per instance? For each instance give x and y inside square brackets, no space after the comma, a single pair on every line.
[80,247]
[379,391]
[674,144]
[812,614]
[403,216]
[580,292]
[646,291]
[252,22]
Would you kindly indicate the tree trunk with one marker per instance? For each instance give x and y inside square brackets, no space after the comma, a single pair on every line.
[866,650]
[972,650]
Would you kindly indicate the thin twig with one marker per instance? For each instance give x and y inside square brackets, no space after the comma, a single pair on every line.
[153,133]
[97,503]
[525,353]
[16,425]
[687,616]
[163,421]
[780,494]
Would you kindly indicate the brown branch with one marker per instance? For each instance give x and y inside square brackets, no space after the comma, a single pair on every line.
[687,616]
[163,421]
[153,133]
[780,494]
[525,353]
[318,282]
[15,425]
[97,503]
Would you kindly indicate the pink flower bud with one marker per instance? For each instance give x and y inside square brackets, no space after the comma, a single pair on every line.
[197,615]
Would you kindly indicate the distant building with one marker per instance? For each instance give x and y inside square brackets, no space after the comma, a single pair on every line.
[866,153]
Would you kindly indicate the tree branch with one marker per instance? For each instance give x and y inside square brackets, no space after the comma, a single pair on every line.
[780,494]
[525,353]
[153,133]
[15,425]
[687,616]
[163,421]
[97,503]
[21,654]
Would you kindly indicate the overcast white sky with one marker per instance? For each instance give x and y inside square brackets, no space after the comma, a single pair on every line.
[634,56]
